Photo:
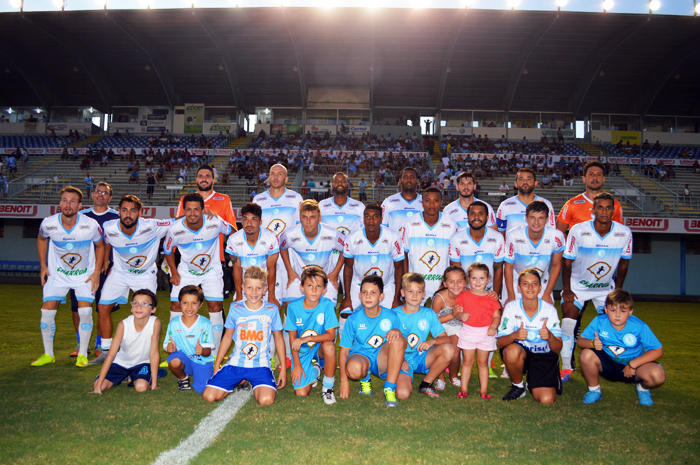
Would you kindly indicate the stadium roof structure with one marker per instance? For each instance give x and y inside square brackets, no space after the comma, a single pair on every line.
[430,58]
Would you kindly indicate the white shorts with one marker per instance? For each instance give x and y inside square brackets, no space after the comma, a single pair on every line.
[293,292]
[57,288]
[281,281]
[116,287]
[389,292]
[596,295]
[212,285]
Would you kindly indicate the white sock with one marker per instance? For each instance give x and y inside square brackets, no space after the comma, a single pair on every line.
[85,329]
[641,388]
[287,346]
[176,314]
[48,329]
[567,350]
[521,384]
[594,388]
[217,321]
[106,344]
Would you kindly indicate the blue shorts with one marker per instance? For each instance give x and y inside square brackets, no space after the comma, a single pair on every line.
[200,373]
[231,376]
[117,373]
[307,364]
[611,370]
[373,367]
[416,363]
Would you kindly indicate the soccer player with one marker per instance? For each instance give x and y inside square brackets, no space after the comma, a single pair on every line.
[280,210]
[134,242]
[457,210]
[311,243]
[400,206]
[311,323]
[533,246]
[594,250]
[426,242]
[135,354]
[198,241]
[511,213]
[579,209]
[426,356]
[189,340]
[253,246]
[67,239]
[620,347]
[250,325]
[372,343]
[341,211]
[530,338]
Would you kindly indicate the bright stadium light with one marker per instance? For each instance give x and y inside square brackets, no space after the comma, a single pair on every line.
[562,3]
[469,3]
[513,4]
[59,4]
[17,4]
[608,5]
[654,5]
[697,9]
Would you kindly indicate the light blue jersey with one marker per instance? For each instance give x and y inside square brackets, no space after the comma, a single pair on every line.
[364,335]
[625,344]
[396,209]
[253,331]
[186,338]
[416,327]
[313,322]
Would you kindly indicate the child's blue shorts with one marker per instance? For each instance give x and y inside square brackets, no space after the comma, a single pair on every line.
[373,367]
[117,373]
[200,373]
[229,376]
[307,364]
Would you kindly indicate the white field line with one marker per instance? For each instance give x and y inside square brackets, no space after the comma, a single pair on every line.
[206,432]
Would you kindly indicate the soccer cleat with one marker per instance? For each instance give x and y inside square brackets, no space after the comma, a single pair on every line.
[289,363]
[505,375]
[272,364]
[184,384]
[245,386]
[82,361]
[428,391]
[99,360]
[163,364]
[485,396]
[440,385]
[493,364]
[456,382]
[645,398]
[390,398]
[76,352]
[328,396]
[43,360]
[566,375]
[98,351]
[366,388]
[461,395]
[591,397]
[162,373]
[515,393]
[492,375]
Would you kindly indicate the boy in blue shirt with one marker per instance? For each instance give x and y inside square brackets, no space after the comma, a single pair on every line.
[371,344]
[620,347]
[428,357]
[189,341]
[311,323]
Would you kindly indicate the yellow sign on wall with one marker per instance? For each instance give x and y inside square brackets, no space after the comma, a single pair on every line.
[633,137]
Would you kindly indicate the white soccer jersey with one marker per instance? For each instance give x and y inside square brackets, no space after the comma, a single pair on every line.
[199,249]
[465,250]
[514,316]
[186,338]
[596,258]
[523,253]
[428,248]
[396,209]
[374,259]
[459,214]
[317,252]
[346,219]
[255,255]
[252,335]
[511,214]
[136,254]
[70,254]
[281,213]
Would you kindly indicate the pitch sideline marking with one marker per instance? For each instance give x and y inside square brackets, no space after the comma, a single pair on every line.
[206,431]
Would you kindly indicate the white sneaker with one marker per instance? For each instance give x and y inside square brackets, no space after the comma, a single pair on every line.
[328,396]
[440,385]
[456,382]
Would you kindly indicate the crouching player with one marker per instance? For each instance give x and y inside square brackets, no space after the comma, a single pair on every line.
[530,337]
[620,347]
[189,341]
[371,344]
[250,325]
[134,352]
[428,357]
[311,323]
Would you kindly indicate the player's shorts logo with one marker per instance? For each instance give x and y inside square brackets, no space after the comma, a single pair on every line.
[412,340]
[137,261]
[617,350]
[201,261]
[71,259]
[250,350]
[376,341]
[374,272]
[385,325]
[599,270]
[430,259]
[311,333]
[423,324]
[277,225]
[629,339]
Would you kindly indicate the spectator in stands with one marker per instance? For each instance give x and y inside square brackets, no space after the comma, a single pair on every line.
[117,134]
[555,178]
[127,133]
[657,146]
[546,182]
[53,134]
[504,189]
[696,167]
[477,190]
[152,182]
[160,174]
[568,180]
[85,164]
[134,177]
[89,181]
[104,160]
[645,145]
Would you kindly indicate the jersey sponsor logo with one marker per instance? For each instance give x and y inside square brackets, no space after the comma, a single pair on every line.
[359,241]
[571,245]
[170,241]
[72,272]
[291,196]
[579,202]
[277,226]
[179,233]
[131,270]
[85,227]
[218,198]
[490,240]
[430,259]
[162,223]
[519,241]
[375,341]
[619,235]
[250,350]
[585,234]
[326,238]
[599,269]
[211,226]
[201,261]
[146,231]
[394,200]
[557,241]
[594,285]
[51,228]
[412,340]
[71,259]
[444,225]
[504,325]
[137,261]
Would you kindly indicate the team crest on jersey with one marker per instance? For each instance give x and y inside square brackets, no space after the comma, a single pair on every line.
[374,272]
[599,270]
[430,259]
[423,324]
[201,261]
[312,266]
[385,325]
[375,341]
[310,333]
[71,259]
[412,340]
[250,350]
[276,226]
[264,319]
[344,231]
[617,350]
[137,261]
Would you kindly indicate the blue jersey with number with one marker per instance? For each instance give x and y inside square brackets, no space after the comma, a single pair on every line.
[310,322]
[625,344]
[186,338]
[416,327]
[366,335]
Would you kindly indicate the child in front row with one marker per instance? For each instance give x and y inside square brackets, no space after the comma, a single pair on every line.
[311,323]
[251,324]
[134,352]
[480,315]
[620,347]
[530,337]
[454,282]
[189,341]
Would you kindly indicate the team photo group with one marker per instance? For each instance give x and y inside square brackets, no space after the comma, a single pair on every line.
[340,288]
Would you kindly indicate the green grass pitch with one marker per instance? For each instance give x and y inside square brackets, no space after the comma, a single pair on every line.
[49,417]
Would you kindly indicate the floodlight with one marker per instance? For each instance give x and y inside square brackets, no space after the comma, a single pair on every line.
[654,5]
[468,3]
[16,3]
[59,4]
[562,3]
[38,110]
[513,4]
[608,5]
[10,110]
[697,9]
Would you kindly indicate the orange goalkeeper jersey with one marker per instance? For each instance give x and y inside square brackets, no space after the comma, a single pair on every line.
[580,208]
